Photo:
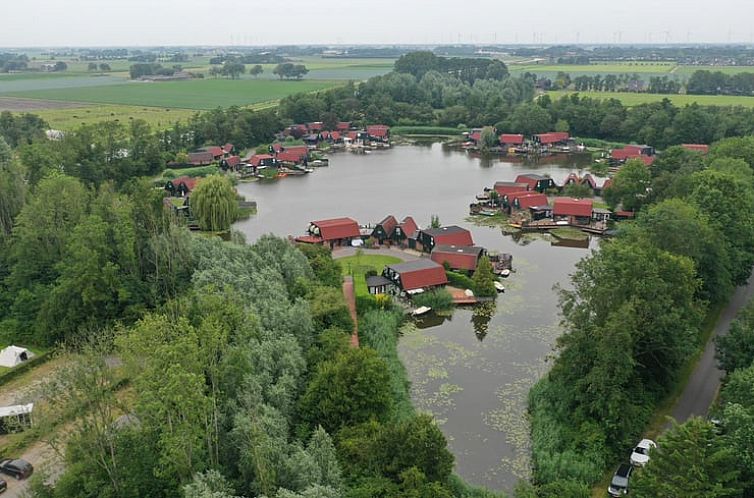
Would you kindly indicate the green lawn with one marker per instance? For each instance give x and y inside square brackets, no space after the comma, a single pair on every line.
[632,99]
[194,94]
[359,265]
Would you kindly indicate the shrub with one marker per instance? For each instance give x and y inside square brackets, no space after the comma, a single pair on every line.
[459,280]
[438,299]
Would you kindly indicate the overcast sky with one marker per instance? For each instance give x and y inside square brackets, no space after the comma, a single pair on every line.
[252,22]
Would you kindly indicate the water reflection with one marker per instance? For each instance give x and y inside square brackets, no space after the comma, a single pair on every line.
[471,370]
[480,319]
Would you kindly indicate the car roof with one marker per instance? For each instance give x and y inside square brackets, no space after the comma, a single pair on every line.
[624,470]
[645,443]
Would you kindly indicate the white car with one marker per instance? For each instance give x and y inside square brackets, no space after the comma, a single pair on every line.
[640,455]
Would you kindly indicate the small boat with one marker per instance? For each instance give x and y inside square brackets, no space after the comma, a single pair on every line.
[499,287]
[421,310]
[487,212]
[505,273]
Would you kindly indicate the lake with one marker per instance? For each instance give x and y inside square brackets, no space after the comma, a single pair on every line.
[473,370]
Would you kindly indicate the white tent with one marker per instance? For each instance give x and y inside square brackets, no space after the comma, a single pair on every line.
[14,355]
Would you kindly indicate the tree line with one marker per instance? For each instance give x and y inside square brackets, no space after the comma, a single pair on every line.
[634,317]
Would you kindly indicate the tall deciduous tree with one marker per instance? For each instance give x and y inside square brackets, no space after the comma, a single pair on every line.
[630,187]
[350,389]
[691,461]
[214,203]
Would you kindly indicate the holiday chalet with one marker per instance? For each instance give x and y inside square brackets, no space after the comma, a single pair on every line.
[416,276]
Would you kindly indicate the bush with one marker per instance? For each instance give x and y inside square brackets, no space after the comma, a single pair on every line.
[438,299]
[459,280]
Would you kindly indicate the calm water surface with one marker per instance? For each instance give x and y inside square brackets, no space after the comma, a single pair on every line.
[472,370]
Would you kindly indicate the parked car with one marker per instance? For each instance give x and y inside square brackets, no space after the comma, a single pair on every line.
[20,469]
[619,484]
[640,455]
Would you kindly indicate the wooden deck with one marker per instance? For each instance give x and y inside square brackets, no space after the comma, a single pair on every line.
[460,297]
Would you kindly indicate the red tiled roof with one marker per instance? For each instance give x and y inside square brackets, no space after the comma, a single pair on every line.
[450,235]
[572,178]
[457,258]
[294,156]
[353,135]
[625,153]
[572,207]
[335,136]
[511,139]
[475,136]
[343,126]
[228,148]
[200,157]
[214,150]
[529,180]
[188,181]
[607,183]
[638,148]
[552,137]
[625,214]
[409,226]
[696,147]
[389,224]
[233,161]
[379,131]
[337,228]
[589,179]
[429,274]
[308,239]
[647,160]
[324,135]
[531,200]
[316,126]
[503,188]
[257,159]
[299,149]
[277,147]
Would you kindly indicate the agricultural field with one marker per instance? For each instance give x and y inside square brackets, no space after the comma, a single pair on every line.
[597,68]
[199,94]
[66,119]
[687,71]
[632,99]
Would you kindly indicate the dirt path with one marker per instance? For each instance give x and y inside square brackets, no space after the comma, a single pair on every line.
[44,459]
[350,295]
[704,382]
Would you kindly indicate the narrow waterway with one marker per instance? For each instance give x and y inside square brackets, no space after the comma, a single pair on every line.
[473,370]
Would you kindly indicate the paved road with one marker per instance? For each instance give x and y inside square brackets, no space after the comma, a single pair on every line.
[704,382]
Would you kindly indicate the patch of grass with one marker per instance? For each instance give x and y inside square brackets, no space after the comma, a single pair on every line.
[498,219]
[358,266]
[198,171]
[71,118]
[632,99]
[437,299]
[193,94]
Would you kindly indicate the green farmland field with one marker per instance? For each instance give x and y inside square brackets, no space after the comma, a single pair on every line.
[632,99]
[194,94]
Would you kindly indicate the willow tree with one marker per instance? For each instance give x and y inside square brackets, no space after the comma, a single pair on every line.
[214,203]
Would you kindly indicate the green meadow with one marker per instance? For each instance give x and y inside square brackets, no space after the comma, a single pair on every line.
[631,99]
[196,94]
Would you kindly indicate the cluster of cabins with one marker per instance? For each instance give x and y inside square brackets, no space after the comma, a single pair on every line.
[554,141]
[645,153]
[344,135]
[450,246]
[526,195]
